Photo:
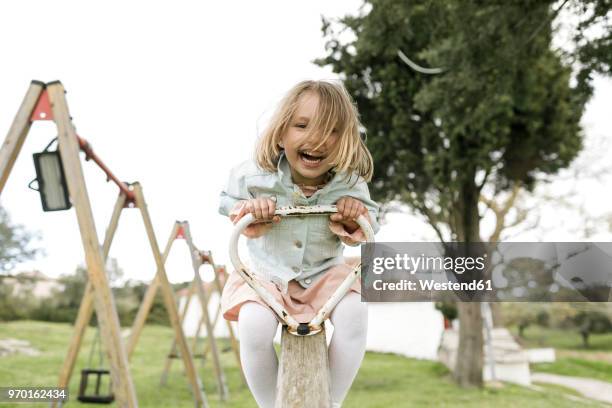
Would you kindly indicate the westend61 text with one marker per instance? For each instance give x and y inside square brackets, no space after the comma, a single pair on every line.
[432,285]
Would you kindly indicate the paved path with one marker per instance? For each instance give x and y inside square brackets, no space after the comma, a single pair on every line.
[590,388]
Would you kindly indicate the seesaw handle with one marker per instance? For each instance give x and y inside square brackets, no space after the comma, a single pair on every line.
[267,297]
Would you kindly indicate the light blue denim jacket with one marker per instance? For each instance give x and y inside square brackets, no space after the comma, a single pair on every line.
[299,248]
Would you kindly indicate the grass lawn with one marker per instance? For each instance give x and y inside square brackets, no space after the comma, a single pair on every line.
[384,381]
[536,336]
[577,367]
[572,357]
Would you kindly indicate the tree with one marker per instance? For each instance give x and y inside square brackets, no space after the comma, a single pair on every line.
[585,318]
[593,40]
[498,112]
[15,243]
[524,314]
[64,306]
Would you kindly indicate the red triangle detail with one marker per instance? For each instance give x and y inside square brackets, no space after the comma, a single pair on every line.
[43,108]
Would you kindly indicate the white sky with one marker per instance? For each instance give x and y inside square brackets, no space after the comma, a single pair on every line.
[173,97]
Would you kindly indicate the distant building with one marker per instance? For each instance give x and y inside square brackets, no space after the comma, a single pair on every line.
[32,283]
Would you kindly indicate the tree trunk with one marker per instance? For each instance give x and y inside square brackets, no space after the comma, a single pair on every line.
[469,366]
[585,338]
[522,328]
[468,369]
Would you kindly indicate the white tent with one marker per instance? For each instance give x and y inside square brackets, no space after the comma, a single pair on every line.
[408,329]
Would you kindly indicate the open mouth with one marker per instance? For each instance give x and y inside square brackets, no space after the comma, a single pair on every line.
[311,157]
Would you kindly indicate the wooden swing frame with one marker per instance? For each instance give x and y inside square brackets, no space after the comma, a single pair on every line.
[181,230]
[201,258]
[47,101]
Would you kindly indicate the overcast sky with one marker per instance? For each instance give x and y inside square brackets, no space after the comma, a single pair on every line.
[173,97]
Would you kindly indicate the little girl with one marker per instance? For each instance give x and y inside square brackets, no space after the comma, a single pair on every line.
[311,154]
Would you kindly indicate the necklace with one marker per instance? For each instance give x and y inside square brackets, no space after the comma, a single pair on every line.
[309,190]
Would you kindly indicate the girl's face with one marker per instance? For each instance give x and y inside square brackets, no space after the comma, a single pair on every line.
[309,166]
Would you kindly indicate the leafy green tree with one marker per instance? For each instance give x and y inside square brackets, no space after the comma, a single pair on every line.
[15,243]
[65,303]
[592,39]
[524,314]
[493,108]
[585,318]
[10,308]
[589,322]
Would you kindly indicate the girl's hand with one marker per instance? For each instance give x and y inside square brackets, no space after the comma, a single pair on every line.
[262,209]
[349,209]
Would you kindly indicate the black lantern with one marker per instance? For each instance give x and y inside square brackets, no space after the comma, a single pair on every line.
[51,180]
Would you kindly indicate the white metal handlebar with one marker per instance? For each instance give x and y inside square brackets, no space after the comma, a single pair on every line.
[294,327]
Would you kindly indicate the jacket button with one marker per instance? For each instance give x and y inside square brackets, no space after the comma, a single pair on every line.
[307,280]
[295,269]
[298,244]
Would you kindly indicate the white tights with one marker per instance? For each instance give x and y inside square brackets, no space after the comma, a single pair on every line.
[257,326]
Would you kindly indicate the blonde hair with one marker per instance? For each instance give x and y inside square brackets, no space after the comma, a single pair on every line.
[335,111]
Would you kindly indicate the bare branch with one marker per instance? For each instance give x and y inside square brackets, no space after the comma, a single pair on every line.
[432,219]
[502,211]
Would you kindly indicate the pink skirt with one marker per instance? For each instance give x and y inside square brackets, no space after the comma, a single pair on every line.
[302,303]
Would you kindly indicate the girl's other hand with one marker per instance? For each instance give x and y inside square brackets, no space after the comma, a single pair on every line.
[263,211]
[349,209]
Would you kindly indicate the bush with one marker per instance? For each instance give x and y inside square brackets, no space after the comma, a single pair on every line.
[448,310]
[63,305]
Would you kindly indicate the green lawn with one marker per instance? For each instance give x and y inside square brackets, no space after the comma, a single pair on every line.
[536,336]
[577,367]
[384,381]
[572,357]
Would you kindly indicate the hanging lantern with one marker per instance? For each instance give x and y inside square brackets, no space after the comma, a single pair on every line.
[51,180]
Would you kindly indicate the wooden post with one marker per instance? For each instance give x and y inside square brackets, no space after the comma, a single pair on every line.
[303,372]
[18,131]
[196,261]
[233,342]
[230,329]
[147,301]
[141,316]
[123,386]
[173,350]
[87,302]
[170,302]
[194,345]
[201,322]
